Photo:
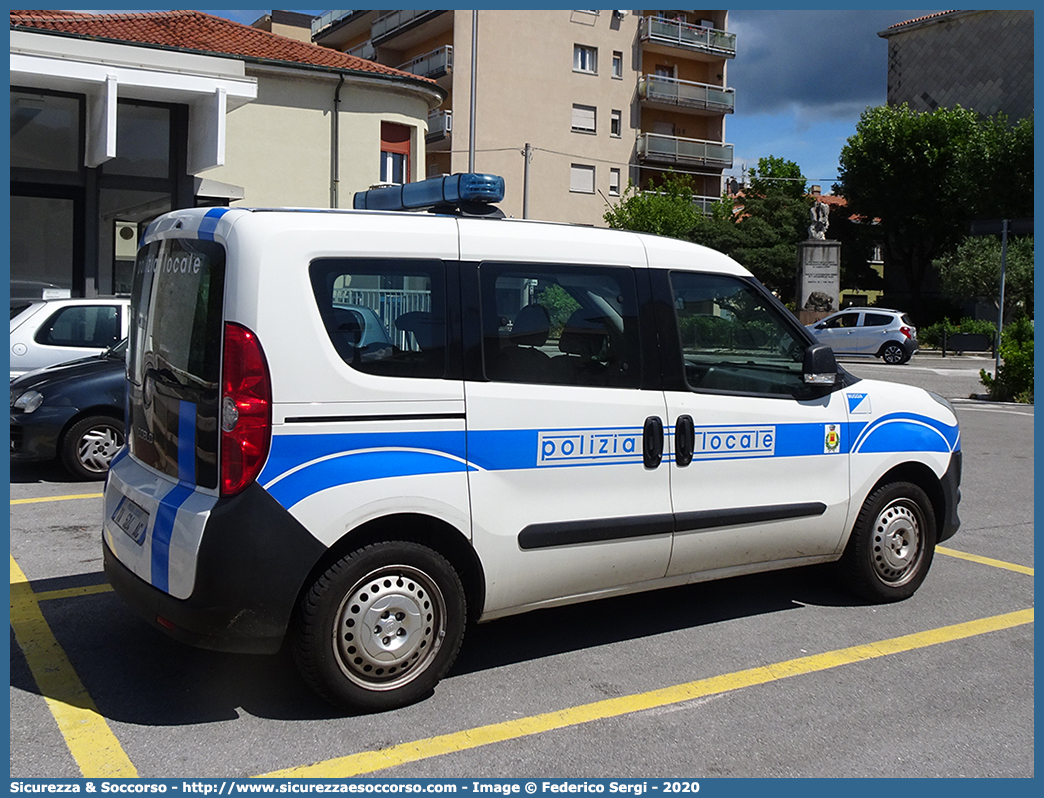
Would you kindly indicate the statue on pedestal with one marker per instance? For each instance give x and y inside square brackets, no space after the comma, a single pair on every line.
[820,219]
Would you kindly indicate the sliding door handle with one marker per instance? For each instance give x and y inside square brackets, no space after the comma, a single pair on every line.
[684,440]
[652,442]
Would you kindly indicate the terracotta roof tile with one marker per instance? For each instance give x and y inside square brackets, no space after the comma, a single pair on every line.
[198,32]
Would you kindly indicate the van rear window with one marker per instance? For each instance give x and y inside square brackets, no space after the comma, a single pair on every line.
[384,317]
[175,358]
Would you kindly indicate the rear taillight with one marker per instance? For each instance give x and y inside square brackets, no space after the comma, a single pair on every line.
[246,410]
[906,331]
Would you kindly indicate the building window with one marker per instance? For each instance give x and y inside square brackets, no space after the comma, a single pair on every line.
[618,65]
[614,182]
[395,153]
[615,124]
[585,59]
[584,119]
[581,179]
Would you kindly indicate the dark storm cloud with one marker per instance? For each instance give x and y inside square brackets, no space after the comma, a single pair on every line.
[821,63]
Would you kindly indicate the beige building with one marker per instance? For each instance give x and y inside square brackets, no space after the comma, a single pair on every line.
[982,60]
[568,105]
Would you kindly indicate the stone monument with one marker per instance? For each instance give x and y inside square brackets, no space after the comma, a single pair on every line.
[819,269]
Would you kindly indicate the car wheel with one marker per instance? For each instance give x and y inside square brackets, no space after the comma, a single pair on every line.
[892,543]
[380,627]
[894,354]
[88,446]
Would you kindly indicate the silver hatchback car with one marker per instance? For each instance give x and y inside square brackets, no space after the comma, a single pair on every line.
[45,332]
[873,332]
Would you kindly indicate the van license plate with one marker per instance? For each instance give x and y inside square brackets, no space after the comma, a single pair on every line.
[132,519]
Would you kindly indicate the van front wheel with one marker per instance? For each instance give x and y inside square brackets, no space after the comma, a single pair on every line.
[380,627]
[892,543]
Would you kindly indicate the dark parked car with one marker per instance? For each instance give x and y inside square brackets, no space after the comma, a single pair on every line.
[73,412]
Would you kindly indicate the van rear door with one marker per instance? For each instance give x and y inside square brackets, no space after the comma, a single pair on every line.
[175,359]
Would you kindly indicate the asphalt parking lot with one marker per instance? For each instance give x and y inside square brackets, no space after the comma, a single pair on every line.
[775,675]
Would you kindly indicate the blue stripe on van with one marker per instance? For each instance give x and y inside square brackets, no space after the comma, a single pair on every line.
[162,531]
[208,224]
[302,465]
[186,441]
[359,466]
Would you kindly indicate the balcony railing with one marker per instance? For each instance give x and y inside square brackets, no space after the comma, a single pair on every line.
[327,19]
[365,50]
[440,124]
[703,204]
[689,37]
[686,94]
[431,65]
[674,149]
[393,21]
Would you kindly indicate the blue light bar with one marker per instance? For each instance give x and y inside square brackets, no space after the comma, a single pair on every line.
[450,190]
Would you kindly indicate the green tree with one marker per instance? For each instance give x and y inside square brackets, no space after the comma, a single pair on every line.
[973,270]
[666,210]
[926,175]
[762,228]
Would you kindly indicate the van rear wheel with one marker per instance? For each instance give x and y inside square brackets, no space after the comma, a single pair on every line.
[380,627]
[892,543]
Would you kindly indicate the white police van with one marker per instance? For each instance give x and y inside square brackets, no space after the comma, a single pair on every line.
[363,430]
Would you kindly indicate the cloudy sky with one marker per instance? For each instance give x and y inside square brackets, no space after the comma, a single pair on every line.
[802,79]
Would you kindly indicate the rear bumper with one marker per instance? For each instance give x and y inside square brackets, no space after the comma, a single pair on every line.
[254,558]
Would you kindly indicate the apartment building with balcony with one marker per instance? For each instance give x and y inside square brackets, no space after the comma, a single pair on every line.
[601,97]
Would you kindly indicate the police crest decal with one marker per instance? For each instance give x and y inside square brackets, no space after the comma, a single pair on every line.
[832,439]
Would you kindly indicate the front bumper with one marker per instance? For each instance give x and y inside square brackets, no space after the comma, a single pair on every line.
[951,489]
[35,436]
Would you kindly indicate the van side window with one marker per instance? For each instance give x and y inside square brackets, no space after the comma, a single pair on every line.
[384,317]
[733,339]
[560,325]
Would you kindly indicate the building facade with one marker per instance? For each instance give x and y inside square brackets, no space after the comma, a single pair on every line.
[568,105]
[117,118]
[981,60]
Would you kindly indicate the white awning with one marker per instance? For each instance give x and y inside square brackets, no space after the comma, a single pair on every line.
[104,72]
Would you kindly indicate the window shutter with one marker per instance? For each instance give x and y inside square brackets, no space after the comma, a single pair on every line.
[584,118]
[581,179]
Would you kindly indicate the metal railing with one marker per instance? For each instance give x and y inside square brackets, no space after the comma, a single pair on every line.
[690,37]
[674,149]
[430,65]
[327,19]
[440,123]
[686,93]
[388,304]
[365,50]
[392,21]
[703,204]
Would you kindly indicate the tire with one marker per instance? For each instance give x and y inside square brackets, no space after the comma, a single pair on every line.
[894,354]
[892,543]
[380,627]
[88,446]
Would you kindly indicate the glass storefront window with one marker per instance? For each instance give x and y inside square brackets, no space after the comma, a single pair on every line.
[142,142]
[42,247]
[124,216]
[45,131]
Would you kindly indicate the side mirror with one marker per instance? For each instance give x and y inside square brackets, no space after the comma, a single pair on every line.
[819,366]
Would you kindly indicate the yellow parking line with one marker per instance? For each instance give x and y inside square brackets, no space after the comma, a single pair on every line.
[963,555]
[372,761]
[44,499]
[72,592]
[93,745]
